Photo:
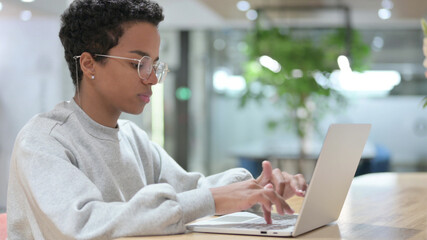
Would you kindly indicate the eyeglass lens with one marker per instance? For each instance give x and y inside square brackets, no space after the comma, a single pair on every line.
[145,67]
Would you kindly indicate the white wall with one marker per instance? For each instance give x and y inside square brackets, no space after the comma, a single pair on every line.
[31,78]
[398,123]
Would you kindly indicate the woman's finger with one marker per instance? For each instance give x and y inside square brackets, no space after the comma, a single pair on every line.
[266,174]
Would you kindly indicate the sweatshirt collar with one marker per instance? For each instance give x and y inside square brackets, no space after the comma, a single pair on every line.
[93,128]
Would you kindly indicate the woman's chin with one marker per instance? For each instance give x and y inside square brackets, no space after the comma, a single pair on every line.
[135,111]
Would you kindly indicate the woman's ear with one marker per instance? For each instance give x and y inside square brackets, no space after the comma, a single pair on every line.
[87,64]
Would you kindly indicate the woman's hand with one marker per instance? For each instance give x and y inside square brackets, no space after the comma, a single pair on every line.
[272,187]
[243,195]
[285,184]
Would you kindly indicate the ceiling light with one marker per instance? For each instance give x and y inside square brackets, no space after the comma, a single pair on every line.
[219,44]
[225,83]
[243,6]
[384,13]
[377,43]
[270,63]
[302,113]
[26,15]
[297,73]
[369,81]
[344,63]
[252,15]
[1,6]
[27,1]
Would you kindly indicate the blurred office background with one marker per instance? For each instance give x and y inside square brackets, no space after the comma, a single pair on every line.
[195,114]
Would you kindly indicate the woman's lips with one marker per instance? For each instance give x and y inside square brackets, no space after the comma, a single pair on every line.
[144,97]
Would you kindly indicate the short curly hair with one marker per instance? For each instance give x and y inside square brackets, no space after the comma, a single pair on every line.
[95,26]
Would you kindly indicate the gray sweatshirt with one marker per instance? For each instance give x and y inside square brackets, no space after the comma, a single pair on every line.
[72,178]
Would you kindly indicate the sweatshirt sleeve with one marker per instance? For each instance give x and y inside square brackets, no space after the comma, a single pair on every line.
[65,204]
[172,173]
[188,184]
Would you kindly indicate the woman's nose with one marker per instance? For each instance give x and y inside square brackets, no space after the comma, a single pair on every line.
[152,79]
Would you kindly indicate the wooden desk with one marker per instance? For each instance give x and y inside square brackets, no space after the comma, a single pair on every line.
[378,206]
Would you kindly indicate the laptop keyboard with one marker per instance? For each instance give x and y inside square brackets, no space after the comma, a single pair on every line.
[262,226]
[279,223]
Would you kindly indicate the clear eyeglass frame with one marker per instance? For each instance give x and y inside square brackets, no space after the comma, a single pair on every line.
[145,67]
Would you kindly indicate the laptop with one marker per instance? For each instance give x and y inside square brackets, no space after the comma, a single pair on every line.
[325,196]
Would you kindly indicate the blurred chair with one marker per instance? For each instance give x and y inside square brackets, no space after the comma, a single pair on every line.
[380,163]
[253,165]
[3,226]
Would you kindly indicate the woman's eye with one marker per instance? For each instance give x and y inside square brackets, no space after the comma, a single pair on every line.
[135,65]
[142,65]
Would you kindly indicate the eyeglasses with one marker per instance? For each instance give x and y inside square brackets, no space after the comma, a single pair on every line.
[145,67]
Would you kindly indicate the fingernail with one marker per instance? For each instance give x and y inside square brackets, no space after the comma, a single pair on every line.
[291,212]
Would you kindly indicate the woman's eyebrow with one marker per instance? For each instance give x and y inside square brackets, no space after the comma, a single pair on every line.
[142,54]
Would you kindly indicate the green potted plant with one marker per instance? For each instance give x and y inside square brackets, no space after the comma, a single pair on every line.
[284,66]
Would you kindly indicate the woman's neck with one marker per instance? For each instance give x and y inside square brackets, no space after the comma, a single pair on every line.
[97,110]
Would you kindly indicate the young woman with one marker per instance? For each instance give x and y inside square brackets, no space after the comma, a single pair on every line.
[78,172]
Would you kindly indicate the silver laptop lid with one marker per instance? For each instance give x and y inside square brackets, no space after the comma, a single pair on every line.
[332,177]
